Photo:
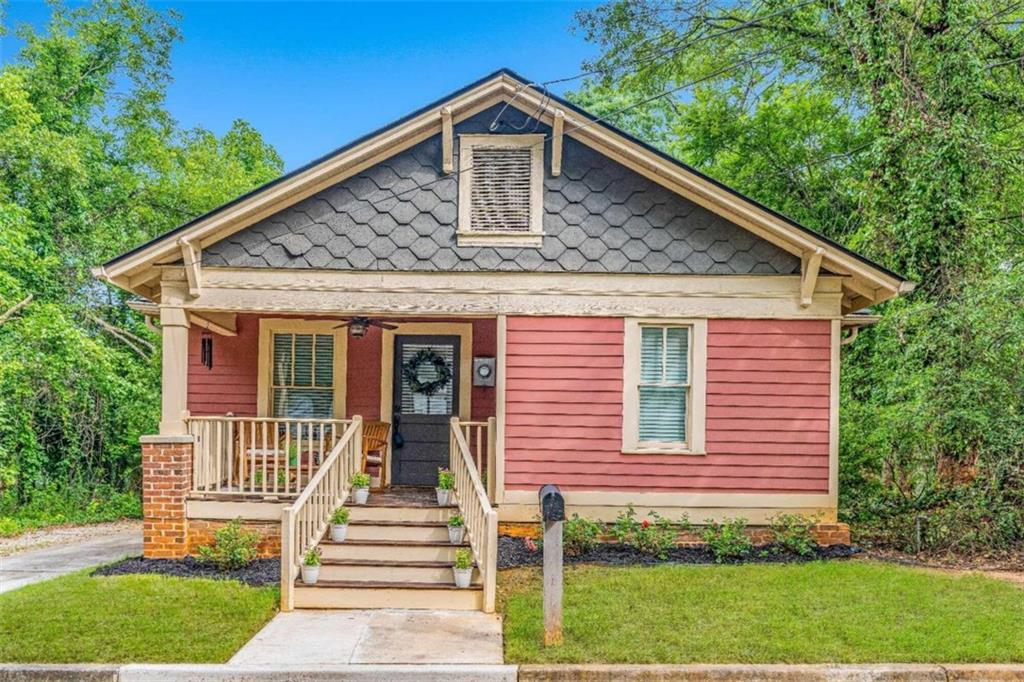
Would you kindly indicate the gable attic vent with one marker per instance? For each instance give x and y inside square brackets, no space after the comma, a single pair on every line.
[500,192]
[500,189]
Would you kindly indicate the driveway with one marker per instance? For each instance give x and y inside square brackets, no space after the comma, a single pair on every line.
[95,548]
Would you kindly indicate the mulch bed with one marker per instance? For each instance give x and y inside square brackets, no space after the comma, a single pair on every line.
[259,573]
[513,553]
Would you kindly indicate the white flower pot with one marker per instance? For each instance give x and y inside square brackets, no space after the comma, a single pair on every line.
[444,497]
[455,534]
[310,574]
[339,532]
[463,577]
[361,495]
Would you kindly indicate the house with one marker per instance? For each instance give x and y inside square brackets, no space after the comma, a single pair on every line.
[502,284]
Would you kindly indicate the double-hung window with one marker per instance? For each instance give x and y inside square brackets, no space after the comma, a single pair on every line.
[303,375]
[302,369]
[663,386]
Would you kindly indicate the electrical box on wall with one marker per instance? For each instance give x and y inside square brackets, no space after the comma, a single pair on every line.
[484,370]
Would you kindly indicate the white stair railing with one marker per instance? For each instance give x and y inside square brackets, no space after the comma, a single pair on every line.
[304,522]
[481,519]
[266,457]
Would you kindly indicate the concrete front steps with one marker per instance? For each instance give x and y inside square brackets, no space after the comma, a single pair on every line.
[396,555]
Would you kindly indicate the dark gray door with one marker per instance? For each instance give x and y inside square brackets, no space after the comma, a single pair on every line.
[421,421]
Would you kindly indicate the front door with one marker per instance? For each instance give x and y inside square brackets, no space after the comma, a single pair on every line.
[426,396]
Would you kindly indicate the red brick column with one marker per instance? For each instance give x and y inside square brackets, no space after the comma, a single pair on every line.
[166,479]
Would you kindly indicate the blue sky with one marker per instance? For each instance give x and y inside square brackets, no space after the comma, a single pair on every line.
[312,76]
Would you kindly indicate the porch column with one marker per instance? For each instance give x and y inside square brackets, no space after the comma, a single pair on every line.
[174,406]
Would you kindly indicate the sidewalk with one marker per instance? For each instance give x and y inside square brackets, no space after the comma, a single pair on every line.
[317,639]
[35,565]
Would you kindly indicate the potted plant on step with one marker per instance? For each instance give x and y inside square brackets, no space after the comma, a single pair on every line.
[456,529]
[339,524]
[445,484]
[360,487]
[463,568]
[311,566]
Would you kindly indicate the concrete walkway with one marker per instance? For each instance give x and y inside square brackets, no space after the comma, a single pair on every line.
[35,565]
[312,639]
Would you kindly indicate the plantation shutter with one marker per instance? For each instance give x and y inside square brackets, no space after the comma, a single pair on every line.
[303,376]
[664,383]
[500,189]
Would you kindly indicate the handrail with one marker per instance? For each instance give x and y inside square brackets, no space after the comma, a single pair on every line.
[258,456]
[481,438]
[304,522]
[480,518]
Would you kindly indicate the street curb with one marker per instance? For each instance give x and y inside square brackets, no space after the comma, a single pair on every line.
[882,672]
[12,672]
[349,673]
[36,672]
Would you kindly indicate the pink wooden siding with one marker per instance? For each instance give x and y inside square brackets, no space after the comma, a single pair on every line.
[231,385]
[767,409]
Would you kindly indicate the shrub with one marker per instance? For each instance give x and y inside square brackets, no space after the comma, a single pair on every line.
[579,535]
[463,559]
[654,536]
[794,533]
[445,479]
[311,557]
[456,521]
[361,480]
[340,516]
[728,540]
[233,547]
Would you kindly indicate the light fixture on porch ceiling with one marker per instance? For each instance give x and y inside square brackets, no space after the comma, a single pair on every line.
[357,326]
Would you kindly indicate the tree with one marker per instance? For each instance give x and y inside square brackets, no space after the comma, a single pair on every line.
[91,163]
[894,127]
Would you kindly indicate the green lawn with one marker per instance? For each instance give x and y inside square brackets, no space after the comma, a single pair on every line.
[850,612]
[137,618]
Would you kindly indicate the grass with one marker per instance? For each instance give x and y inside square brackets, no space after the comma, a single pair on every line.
[136,618]
[849,612]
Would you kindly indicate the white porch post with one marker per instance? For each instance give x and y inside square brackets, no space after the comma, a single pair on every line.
[174,391]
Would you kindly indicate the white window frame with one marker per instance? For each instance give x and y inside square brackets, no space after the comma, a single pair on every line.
[696,396]
[271,326]
[465,234]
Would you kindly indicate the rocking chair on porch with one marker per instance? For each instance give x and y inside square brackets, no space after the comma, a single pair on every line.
[375,447]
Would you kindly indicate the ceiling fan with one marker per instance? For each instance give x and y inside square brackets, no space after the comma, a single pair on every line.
[357,326]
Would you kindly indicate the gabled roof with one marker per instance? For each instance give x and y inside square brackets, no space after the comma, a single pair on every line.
[867,282]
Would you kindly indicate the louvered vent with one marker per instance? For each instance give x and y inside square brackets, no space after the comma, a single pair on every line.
[500,189]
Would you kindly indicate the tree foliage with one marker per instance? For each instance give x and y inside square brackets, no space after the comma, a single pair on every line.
[893,126]
[91,163]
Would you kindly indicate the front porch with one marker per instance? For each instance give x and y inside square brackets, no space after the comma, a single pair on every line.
[281,413]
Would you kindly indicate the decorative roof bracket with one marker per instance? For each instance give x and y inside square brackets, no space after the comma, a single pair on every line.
[447,155]
[556,143]
[191,258]
[810,264]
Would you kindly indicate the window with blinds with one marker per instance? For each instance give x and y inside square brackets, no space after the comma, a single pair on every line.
[417,403]
[501,190]
[302,385]
[664,385]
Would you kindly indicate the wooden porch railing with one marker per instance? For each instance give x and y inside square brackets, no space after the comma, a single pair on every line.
[480,437]
[304,522]
[259,456]
[475,507]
